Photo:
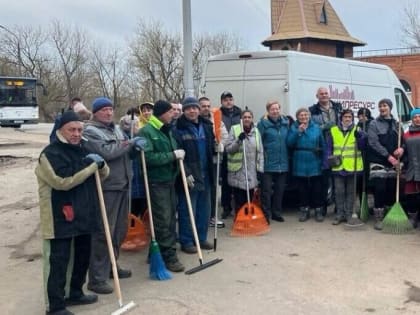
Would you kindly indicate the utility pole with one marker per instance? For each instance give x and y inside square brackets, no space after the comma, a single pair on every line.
[19,55]
[187,36]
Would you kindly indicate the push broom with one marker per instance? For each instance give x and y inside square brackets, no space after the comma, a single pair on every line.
[354,221]
[157,270]
[194,228]
[396,221]
[122,308]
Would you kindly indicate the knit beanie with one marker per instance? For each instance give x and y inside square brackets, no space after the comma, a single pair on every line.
[386,101]
[189,101]
[100,103]
[68,116]
[415,111]
[161,107]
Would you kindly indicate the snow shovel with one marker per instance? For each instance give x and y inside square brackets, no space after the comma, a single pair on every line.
[122,308]
[194,228]
[250,219]
[137,236]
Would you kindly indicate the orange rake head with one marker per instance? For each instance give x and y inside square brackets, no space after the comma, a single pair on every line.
[137,237]
[250,221]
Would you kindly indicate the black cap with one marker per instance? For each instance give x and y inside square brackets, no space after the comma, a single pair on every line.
[161,107]
[225,94]
[67,117]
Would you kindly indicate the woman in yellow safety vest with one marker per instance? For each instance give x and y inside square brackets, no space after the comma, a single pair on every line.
[345,141]
[249,136]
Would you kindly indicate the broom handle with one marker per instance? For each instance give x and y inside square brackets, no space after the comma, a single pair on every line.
[216,196]
[355,173]
[129,182]
[397,190]
[108,238]
[363,152]
[190,210]
[146,188]
[246,167]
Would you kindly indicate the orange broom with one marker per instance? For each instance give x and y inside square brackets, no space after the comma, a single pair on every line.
[250,219]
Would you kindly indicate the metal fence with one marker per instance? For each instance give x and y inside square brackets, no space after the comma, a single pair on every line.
[386,52]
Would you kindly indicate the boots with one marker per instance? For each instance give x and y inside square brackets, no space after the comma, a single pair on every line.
[304,214]
[379,216]
[319,217]
[413,217]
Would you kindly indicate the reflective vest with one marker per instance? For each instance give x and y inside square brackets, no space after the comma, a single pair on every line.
[234,162]
[344,146]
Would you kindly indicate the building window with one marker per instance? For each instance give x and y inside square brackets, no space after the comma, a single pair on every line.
[323,17]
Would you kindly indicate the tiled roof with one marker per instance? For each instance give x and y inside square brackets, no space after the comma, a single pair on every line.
[301,19]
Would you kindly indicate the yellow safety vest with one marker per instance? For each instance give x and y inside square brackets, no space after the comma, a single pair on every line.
[346,150]
[234,163]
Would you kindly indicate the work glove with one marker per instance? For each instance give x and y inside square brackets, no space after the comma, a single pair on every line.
[242,136]
[179,154]
[93,157]
[219,147]
[398,152]
[190,181]
[140,143]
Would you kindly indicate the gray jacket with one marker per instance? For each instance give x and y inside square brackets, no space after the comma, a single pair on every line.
[254,159]
[110,143]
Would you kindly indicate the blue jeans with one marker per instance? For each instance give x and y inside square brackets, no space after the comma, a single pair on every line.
[200,202]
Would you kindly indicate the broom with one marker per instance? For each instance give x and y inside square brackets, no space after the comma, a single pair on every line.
[250,219]
[354,220]
[122,308]
[157,269]
[396,221]
[364,207]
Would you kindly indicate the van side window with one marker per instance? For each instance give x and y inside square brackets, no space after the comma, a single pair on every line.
[403,105]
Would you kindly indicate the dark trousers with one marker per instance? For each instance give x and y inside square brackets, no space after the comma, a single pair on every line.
[213,188]
[239,195]
[310,191]
[116,203]
[138,206]
[163,200]
[57,253]
[384,191]
[226,189]
[273,185]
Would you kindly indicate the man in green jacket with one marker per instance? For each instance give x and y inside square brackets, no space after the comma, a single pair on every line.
[162,156]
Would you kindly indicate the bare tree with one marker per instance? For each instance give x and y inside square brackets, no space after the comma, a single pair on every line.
[110,70]
[410,28]
[157,55]
[71,45]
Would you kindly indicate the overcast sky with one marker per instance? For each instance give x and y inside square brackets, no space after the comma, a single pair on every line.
[376,22]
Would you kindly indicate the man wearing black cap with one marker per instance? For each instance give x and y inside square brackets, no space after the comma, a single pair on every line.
[69,212]
[162,156]
[195,135]
[230,114]
[108,140]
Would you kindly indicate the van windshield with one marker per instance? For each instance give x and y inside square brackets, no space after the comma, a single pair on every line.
[403,105]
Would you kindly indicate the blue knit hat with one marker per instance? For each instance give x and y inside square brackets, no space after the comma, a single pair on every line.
[100,103]
[415,111]
[189,101]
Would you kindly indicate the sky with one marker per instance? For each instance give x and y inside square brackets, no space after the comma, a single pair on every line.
[376,22]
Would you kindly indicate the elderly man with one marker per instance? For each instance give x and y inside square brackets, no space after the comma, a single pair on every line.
[69,213]
[108,140]
[162,157]
[195,135]
[326,114]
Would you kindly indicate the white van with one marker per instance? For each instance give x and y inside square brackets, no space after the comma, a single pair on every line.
[293,78]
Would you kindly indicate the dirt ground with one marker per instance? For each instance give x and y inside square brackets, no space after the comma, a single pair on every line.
[298,268]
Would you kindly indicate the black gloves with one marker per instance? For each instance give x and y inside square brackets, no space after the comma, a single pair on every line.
[242,136]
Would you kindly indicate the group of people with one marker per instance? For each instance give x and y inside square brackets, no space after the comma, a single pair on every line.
[322,144]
